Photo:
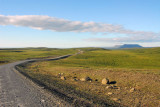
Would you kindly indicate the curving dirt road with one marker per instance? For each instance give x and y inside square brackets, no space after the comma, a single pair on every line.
[18,91]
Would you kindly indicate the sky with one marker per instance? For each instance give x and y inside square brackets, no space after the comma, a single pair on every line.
[79,23]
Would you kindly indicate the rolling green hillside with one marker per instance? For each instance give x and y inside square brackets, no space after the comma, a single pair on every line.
[148,58]
[10,55]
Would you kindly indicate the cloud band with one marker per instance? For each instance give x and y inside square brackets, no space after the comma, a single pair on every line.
[62,25]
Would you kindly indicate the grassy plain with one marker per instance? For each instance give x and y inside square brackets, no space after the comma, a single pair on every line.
[126,69]
[11,55]
[138,58]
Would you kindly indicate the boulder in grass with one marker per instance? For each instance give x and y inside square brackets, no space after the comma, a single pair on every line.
[74,79]
[105,81]
[110,93]
[109,87]
[60,74]
[132,90]
[116,99]
[63,78]
[85,79]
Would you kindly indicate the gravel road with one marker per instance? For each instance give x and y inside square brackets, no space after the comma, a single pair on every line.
[18,91]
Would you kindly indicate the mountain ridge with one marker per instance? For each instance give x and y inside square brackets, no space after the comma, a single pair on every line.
[129,46]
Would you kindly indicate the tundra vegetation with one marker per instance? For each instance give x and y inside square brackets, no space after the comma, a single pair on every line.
[129,77]
[11,55]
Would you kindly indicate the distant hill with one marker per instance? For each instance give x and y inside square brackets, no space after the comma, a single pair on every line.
[129,46]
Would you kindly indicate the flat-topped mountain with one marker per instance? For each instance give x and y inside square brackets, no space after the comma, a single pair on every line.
[129,46]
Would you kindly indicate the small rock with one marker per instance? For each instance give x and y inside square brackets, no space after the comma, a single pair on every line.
[105,81]
[132,90]
[59,75]
[42,100]
[63,78]
[110,93]
[109,87]
[85,79]
[115,99]
[73,79]
[41,87]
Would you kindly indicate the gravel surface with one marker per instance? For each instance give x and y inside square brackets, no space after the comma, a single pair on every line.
[18,91]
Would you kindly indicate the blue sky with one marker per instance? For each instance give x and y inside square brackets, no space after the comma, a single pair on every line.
[79,23]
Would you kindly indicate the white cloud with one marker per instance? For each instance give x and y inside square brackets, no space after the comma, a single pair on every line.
[57,24]
[62,25]
[134,38]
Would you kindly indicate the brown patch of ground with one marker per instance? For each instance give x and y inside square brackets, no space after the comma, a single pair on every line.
[146,85]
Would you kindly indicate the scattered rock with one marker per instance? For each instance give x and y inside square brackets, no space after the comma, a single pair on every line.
[105,81]
[115,99]
[109,87]
[85,79]
[63,78]
[132,90]
[110,93]
[77,79]
[60,74]
[74,79]
[42,100]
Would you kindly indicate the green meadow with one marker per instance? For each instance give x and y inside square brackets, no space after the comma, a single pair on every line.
[11,55]
[148,58]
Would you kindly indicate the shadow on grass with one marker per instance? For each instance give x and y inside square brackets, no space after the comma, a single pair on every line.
[112,82]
